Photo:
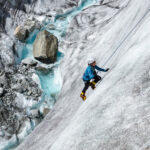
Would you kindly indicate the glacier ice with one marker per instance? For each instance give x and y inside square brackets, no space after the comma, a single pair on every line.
[116,114]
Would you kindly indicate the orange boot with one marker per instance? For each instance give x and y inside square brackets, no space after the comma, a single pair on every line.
[92,84]
[82,95]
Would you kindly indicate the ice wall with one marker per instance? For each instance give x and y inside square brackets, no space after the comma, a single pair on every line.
[116,114]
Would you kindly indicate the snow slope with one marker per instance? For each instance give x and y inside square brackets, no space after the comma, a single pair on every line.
[116,115]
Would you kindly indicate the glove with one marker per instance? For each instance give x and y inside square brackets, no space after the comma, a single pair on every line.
[107,69]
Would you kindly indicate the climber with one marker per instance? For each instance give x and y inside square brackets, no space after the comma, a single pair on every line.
[89,74]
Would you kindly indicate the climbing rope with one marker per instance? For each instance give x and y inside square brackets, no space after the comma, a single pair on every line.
[109,58]
[126,38]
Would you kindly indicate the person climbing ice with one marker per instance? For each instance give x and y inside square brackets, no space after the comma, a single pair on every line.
[90,74]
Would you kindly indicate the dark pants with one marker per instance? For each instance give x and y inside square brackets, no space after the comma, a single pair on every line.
[87,83]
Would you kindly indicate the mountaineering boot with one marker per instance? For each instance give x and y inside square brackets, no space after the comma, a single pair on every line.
[82,95]
[92,84]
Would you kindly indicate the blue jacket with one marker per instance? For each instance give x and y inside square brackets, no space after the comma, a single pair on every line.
[89,72]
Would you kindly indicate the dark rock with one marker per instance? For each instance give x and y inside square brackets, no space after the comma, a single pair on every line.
[46,111]
[29,61]
[1,91]
[45,47]
[21,33]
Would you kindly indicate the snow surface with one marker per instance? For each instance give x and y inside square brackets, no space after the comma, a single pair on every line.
[116,115]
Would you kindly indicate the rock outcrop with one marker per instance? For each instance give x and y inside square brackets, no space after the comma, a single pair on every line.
[23,31]
[45,47]
[16,88]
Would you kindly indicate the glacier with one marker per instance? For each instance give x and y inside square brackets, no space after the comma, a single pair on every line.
[116,114]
